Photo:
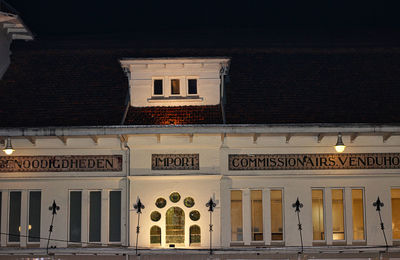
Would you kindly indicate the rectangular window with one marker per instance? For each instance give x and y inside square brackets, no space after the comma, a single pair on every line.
[358,214]
[35,198]
[236,215]
[158,87]
[318,214]
[95,217]
[256,215]
[192,86]
[175,88]
[75,216]
[115,216]
[14,225]
[276,215]
[337,214]
[396,213]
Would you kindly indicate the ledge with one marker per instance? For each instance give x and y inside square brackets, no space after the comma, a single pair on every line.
[174,99]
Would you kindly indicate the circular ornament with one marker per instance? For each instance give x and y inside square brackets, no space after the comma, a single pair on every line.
[189,202]
[175,197]
[155,216]
[160,203]
[194,215]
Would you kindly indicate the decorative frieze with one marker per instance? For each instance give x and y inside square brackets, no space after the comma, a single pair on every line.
[64,163]
[246,162]
[175,162]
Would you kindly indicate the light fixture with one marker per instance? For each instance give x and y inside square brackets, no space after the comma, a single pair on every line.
[8,149]
[339,147]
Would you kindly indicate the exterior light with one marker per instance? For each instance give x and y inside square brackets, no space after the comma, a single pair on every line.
[339,147]
[8,149]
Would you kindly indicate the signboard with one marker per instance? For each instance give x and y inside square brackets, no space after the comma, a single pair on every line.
[175,162]
[64,163]
[253,162]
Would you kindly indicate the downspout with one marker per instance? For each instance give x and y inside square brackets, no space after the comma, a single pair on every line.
[222,86]
[128,96]
[127,149]
[222,73]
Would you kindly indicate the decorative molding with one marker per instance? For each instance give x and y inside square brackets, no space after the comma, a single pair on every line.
[175,162]
[65,163]
[251,162]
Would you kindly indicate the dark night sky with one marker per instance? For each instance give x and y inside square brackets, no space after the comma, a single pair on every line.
[82,17]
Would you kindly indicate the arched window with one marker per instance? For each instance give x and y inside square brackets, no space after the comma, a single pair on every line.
[175,226]
[155,235]
[195,237]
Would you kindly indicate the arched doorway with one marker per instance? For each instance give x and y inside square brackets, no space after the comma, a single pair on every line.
[175,226]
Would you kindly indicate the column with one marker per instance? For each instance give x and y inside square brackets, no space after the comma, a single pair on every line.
[246,217]
[267,215]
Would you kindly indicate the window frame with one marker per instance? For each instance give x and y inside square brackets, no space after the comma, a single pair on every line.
[283,214]
[364,214]
[28,215]
[8,218]
[69,217]
[170,79]
[163,87]
[324,214]
[391,213]
[235,242]
[88,215]
[251,216]
[187,86]
[344,214]
[121,215]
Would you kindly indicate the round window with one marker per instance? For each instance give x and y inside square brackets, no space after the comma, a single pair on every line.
[161,202]
[155,216]
[189,202]
[175,197]
[194,215]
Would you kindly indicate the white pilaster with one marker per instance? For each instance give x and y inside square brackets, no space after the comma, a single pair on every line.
[348,215]
[246,217]
[24,217]
[105,194]
[85,217]
[328,216]
[266,198]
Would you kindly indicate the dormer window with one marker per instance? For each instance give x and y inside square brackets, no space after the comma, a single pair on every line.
[192,86]
[158,87]
[176,81]
[175,87]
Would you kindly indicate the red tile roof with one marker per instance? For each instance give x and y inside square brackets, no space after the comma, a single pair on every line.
[174,115]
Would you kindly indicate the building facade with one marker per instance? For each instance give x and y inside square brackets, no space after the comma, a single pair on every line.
[218,146]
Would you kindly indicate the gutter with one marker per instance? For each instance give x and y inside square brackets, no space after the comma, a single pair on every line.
[125,147]
[299,129]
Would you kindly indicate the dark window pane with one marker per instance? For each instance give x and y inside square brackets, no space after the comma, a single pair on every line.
[115,216]
[175,225]
[95,216]
[192,83]
[34,216]
[158,87]
[75,216]
[155,235]
[175,87]
[15,216]
[195,234]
